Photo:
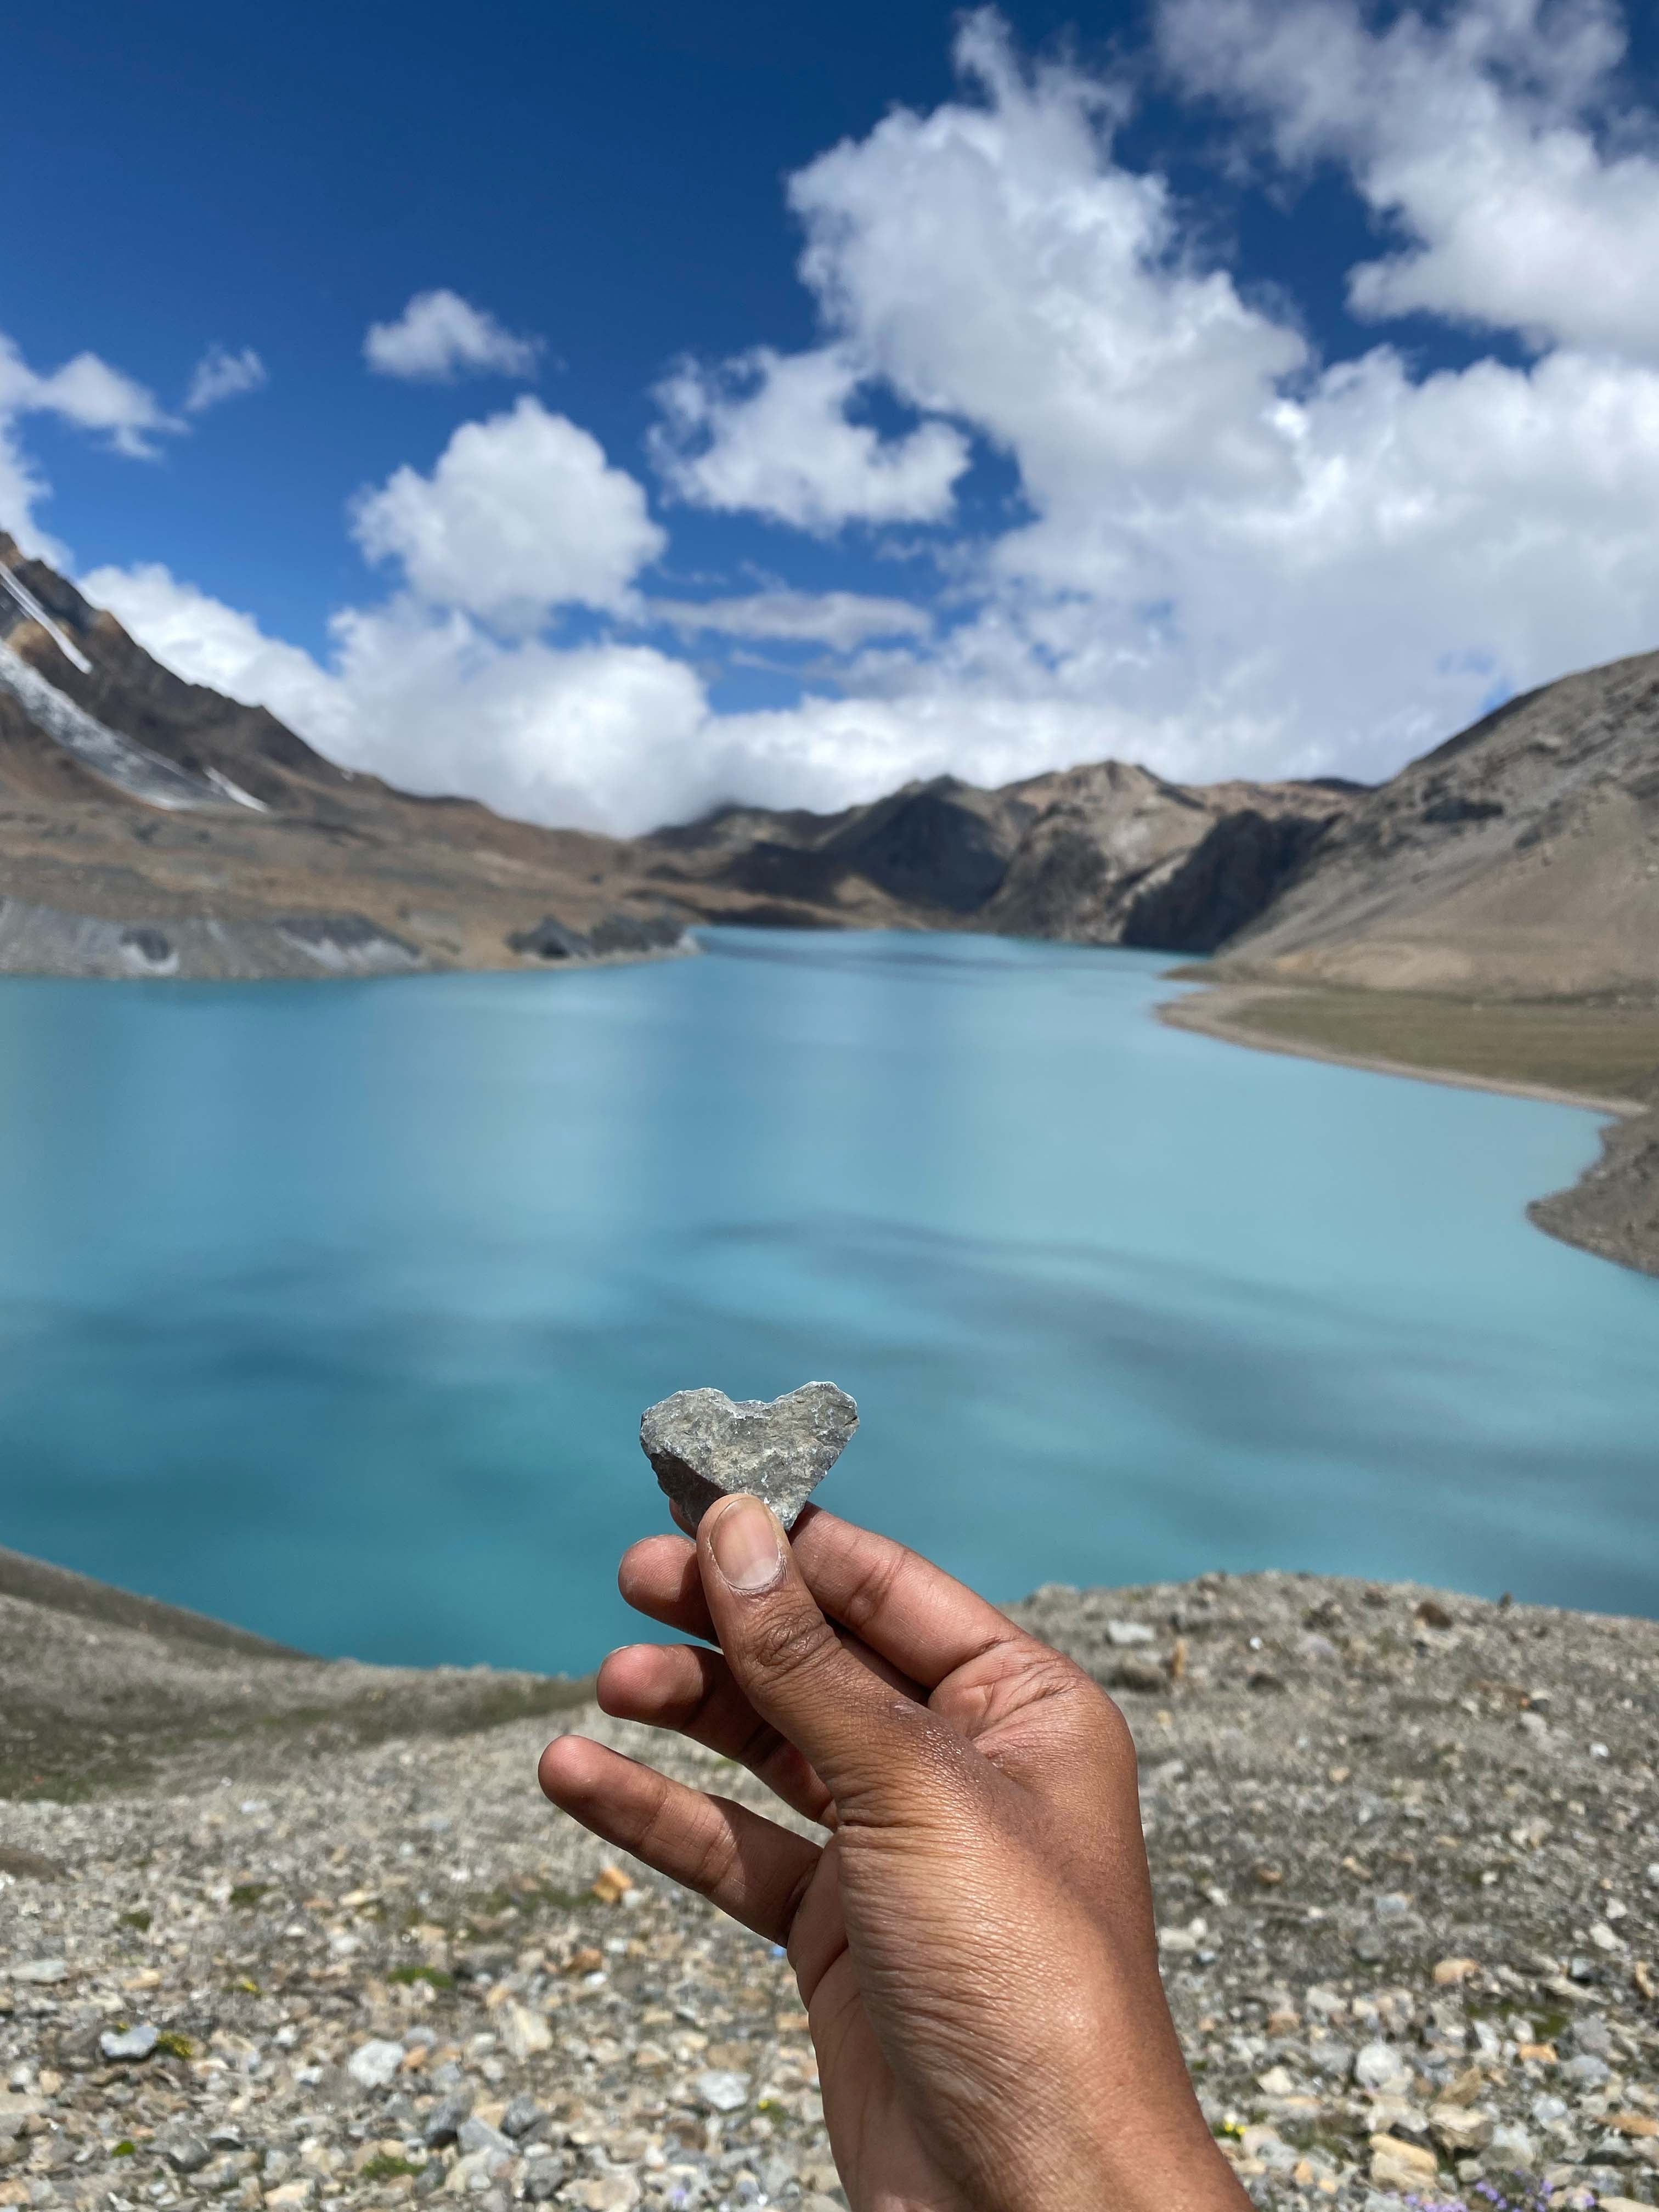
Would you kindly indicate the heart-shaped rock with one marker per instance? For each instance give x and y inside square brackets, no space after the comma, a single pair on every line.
[705,1445]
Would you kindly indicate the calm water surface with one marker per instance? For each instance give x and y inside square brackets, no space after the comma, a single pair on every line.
[331,1308]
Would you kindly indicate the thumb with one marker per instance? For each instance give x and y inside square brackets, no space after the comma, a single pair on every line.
[875,1749]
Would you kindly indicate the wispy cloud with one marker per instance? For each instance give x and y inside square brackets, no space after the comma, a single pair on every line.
[840,620]
[221,374]
[440,335]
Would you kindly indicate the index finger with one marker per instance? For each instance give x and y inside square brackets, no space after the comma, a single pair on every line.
[922,1621]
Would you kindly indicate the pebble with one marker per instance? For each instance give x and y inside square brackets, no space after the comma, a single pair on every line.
[722,2092]
[131,2042]
[375,2063]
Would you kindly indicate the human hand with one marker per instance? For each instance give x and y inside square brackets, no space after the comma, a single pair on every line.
[973,1944]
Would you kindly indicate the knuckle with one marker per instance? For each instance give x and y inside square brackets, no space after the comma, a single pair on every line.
[787,1641]
[715,1857]
[872,1588]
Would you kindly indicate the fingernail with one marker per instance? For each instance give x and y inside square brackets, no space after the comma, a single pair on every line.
[748,1545]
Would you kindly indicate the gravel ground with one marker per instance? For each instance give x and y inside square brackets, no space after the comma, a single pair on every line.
[1405,1846]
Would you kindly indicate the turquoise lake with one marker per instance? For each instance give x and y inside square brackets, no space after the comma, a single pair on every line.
[331,1308]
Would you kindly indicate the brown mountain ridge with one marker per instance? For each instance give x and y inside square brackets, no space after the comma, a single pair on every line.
[148,826]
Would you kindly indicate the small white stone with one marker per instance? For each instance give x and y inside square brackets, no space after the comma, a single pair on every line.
[375,2063]
[1378,2066]
[721,2090]
[524,2032]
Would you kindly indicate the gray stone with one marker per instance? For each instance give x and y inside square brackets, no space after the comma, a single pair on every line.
[41,1970]
[521,2116]
[1585,2070]
[474,2135]
[443,2122]
[1511,2149]
[184,2153]
[705,1447]
[131,2043]
[545,2179]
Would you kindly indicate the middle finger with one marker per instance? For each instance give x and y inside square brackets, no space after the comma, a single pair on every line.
[695,1694]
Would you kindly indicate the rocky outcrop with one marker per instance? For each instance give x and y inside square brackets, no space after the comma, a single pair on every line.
[37,940]
[1103,855]
[1613,1210]
[1233,873]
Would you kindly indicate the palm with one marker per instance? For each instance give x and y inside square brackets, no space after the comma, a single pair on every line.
[870,2128]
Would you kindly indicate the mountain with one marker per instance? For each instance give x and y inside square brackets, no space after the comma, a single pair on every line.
[148,826]
[1102,855]
[152,827]
[1520,859]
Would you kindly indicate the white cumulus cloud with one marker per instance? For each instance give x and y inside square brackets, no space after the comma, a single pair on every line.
[221,374]
[599,736]
[1493,137]
[771,433]
[1235,555]
[1226,552]
[522,513]
[85,391]
[440,335]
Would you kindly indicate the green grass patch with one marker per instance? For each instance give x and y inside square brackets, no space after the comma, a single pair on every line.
[1609,1052]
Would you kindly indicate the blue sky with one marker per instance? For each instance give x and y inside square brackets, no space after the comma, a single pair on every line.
[1241,386]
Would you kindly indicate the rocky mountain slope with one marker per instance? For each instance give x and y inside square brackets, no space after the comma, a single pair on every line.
[327,1944]
[1102,855]
[151,826]
[1520,858]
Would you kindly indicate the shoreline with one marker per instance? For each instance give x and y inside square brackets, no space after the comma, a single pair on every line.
[330,1946]
[1208,1011]
[1611,1212]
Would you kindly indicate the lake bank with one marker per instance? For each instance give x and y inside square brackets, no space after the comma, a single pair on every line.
[1600,1057]
[1399,1844]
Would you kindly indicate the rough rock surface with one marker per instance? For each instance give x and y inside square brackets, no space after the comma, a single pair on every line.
[1613,1207]
[1103,855]
[1522,858]
[151,828]
[705,1445]
[1407,1891]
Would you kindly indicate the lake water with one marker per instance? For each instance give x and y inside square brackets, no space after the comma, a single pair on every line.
[331,1308]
